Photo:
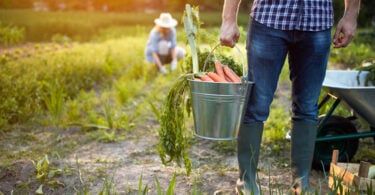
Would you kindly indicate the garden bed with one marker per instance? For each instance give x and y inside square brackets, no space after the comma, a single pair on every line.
[350,178]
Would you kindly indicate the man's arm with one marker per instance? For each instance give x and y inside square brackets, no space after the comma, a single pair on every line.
[229,33]
[347,25]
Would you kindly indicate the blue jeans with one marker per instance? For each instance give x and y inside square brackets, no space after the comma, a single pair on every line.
[308,54]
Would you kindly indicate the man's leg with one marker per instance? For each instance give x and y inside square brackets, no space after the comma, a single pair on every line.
[308,61]
[266,52]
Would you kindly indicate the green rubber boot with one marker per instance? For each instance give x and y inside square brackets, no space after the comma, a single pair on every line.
[303,136]
[248,146]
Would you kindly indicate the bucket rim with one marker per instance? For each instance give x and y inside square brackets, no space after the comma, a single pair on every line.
[227,83]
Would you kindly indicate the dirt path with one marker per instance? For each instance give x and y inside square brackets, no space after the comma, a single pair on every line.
[213,173]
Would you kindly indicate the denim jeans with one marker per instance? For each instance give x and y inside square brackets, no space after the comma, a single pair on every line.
[308,54]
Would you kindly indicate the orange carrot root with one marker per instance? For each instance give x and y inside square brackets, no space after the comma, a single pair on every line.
[206,78]
[215,77]
[231,74]
[219,69]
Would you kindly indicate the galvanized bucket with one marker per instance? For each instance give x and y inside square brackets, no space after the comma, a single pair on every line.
[217,108]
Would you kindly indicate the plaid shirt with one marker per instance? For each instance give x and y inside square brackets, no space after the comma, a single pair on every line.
[304,15]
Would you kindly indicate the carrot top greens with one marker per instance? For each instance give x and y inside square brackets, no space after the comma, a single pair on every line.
[173,135]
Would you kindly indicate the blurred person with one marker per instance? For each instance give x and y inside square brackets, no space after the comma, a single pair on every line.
[301,31]
[161,48]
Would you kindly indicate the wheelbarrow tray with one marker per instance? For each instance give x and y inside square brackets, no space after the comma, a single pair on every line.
[349,86]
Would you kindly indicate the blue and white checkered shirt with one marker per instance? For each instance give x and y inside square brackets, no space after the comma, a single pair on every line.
[304,15]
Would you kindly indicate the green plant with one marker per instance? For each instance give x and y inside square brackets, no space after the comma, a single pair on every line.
[108,188]
[170,189]
[42,169]
[196,191]
[191,26]
[206,61]
[10,35]
[127,89]
[108,114]
[171,186]
[59,38]
[173,136]
[369,66]
[53,98]
[105,136]
[337,186]
[352,55]
[278,123]
[45,172]
[141,191]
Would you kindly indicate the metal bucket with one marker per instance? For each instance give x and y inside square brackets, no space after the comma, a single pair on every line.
[217,108]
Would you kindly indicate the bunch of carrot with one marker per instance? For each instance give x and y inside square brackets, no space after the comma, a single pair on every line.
[222,74]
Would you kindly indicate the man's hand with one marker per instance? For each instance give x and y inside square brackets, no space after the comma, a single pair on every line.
[347,26]
[229,33]
[345,32]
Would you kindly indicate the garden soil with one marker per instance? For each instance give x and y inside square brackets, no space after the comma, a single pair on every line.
[120,167]
[133,165]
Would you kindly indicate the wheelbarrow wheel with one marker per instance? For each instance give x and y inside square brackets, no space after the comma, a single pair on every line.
[336,125]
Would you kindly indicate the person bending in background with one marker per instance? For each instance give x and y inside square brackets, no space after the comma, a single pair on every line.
[301,30]
[161,48]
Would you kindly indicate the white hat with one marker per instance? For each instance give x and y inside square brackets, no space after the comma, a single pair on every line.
[165,20]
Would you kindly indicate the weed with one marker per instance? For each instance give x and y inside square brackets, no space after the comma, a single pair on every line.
[172,185]
[108,114]
[105,136]
[53,98]
[42,169]
[45,173]
[141,190]
[108,187]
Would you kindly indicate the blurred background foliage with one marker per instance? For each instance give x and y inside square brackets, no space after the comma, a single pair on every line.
[366,16]
[65,21]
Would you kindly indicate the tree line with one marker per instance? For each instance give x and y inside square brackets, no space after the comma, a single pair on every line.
[366,17]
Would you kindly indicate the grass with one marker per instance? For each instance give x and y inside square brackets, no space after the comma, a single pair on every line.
[87,26]
[81,26]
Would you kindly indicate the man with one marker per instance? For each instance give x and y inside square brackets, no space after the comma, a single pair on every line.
[301,30]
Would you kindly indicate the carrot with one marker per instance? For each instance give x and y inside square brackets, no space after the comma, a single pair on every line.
[233,77]
[219,69]
[215,77]
[227,78]
[206,78]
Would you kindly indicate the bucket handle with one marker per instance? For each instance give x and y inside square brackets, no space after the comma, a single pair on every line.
[244,76]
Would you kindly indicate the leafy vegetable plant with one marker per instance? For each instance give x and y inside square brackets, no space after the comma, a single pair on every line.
[173,139]
[370,77]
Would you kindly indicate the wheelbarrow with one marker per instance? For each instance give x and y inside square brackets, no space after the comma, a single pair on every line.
[339,132]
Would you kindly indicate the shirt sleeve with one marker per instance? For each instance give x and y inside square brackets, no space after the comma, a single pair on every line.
[173,38]
[153,41]
[152,45]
